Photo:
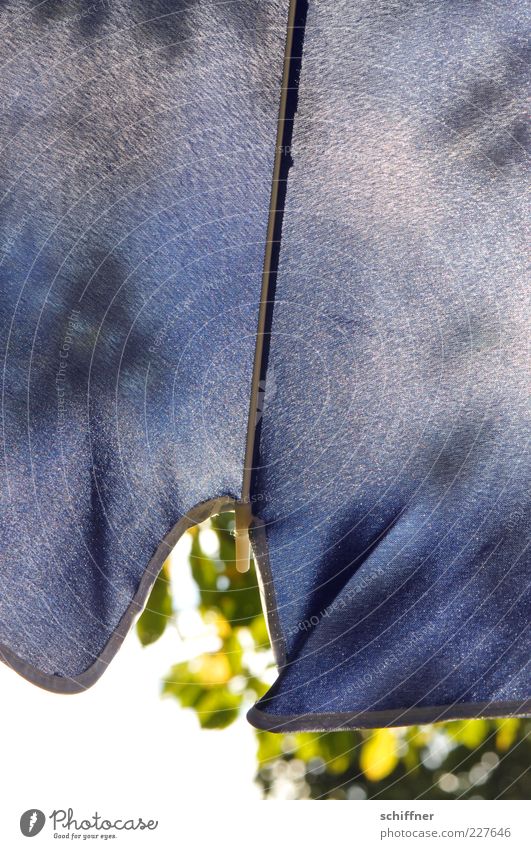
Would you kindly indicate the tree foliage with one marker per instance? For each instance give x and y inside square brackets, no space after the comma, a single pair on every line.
[469,759]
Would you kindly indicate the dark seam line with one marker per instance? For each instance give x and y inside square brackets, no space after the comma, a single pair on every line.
[283,161]
[289,99]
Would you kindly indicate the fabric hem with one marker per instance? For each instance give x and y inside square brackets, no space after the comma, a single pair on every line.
[386,718]
[77,684]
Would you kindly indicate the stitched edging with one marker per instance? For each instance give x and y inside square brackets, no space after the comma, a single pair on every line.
[386,718]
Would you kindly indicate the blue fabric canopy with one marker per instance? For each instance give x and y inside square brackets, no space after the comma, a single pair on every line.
[163,256]
[393,477]
[138,144]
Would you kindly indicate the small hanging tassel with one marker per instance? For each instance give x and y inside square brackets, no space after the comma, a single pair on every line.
[243,544]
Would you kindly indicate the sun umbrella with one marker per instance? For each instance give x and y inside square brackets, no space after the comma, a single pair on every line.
[340,357]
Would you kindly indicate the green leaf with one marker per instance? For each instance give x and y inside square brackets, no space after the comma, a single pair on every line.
[180,684]
[218,708]
[202,685]
[259,632]
[269,747]
[158,610]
